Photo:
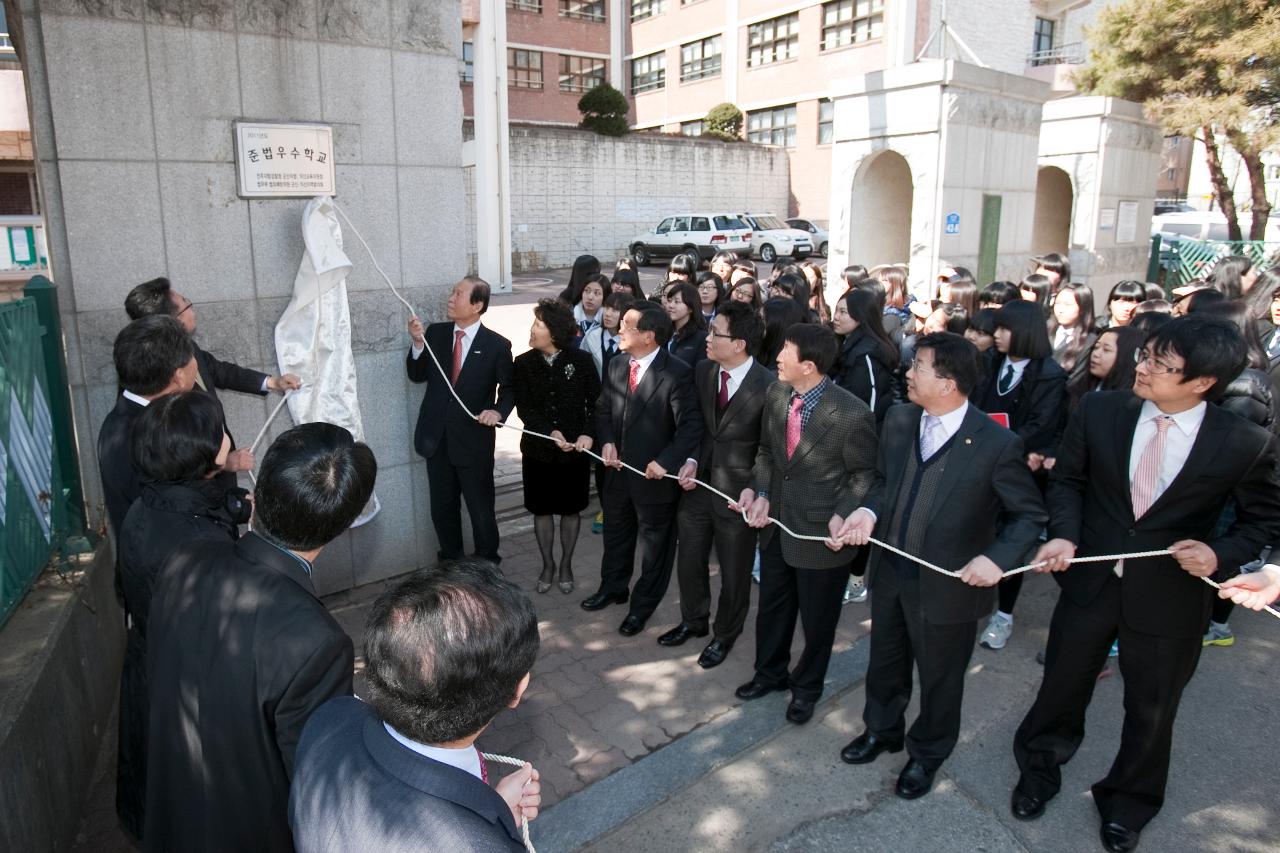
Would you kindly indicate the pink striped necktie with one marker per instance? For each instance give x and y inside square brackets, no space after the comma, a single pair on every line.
[1146,478]
[794,425]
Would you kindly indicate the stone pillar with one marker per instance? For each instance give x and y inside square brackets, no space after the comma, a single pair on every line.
[132,106]
[964,132]
[492,148]
[1112,155]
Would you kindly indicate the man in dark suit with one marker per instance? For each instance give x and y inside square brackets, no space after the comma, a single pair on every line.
[813,467]
[1141,472]
[153,356]
[731,388]
[951,487]
[157,297]
[241,652]
[402,773]
[459,451]
[647,417]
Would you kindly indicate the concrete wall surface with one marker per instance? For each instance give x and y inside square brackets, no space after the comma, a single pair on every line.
[132,107]
[60,656]
[574,192]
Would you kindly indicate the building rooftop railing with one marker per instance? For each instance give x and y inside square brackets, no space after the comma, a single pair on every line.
[1072,53]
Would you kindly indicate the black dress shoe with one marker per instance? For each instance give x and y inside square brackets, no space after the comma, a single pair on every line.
[800,711]
[1119,839]
[755,689]
[680,634]
[865,747]
[715,653]
[1025,806]
[602,599]
[914,781]
[631,626]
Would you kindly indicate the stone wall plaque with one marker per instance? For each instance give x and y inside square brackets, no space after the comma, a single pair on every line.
[283,160]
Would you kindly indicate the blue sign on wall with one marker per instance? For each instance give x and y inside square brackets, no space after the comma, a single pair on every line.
[953,223]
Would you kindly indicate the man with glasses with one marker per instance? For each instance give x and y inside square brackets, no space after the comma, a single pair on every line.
[157,297]
[952,487]
[1143,471]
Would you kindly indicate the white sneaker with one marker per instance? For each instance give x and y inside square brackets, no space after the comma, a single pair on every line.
[997,633]
[855,592]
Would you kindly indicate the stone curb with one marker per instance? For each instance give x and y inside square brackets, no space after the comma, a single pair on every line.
[606,805]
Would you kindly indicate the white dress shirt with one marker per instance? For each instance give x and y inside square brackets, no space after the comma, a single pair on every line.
[645,361]
[1062,337]
[736,376]
[1018,367]
[951,422]
[465,758]
[129,395]
[1177,442]
[468,337]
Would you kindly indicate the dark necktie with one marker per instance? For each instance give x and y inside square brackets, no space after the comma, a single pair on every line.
[1006,381]
[722,399]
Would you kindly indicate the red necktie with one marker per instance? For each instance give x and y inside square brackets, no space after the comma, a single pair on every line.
[722,399]
[634,379]
[794,425]
[484,771]
[457,356]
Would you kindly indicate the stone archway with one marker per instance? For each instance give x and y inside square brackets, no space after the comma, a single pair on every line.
[1051,225]
[880,211]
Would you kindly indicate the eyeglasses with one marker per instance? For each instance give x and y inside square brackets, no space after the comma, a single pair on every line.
[714,334]
[185,308]
[916,365]
[1143,356]
[708,287]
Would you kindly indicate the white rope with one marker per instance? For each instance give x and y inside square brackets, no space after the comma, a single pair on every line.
[1101,558]
[524,821]
[253,478]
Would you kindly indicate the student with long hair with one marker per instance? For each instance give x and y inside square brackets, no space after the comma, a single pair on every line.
[626,281]
[1110,367]
[1038,289]
[1121,302]
[998,293]
[867,358]
[722,264]
[780,314]
[745,289]
[710,294]
[853,275]
[896,297]
[958,287]
[982,329]
[589,310]
[584,267]
[1028,387]
[1053,266]
[1233,276]
[817,285]
[689,334]
[1072,328]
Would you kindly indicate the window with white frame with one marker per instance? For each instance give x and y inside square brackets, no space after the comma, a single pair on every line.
[524,68]
[846,22]
[700,59]
[525,5]
[467,67]
[648,72]
[580,73]
[641,9]
[773,40]
[691,128]
[776,126]
[826,121]
[582,10]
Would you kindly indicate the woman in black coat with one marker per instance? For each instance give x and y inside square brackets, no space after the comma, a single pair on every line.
[1028,388]
[179,444]
[556,386]
[868,358]
[689,335]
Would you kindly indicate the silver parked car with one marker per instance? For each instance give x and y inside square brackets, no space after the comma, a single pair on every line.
[771,238]
[817,229]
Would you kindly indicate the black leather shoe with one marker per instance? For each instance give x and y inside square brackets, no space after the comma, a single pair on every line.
[1025,806]
[602,599]
[680,634]
[631,626]
[800,711]
[1119,839]
[755,689]
[865,747]
[914,781]
[715,653]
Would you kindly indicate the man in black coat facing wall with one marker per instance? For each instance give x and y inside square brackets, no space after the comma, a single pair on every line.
[952,487]
[647,417]
[241,652]
[459,451]
[1143,471]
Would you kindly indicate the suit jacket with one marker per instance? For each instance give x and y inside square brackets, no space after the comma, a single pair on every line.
[120,484]
[231,377]
[829,474]
[240,653]
[727,455]
[987,503]
[659,422]
[1040,401]
[484,383]
[357,788]
[1090,505]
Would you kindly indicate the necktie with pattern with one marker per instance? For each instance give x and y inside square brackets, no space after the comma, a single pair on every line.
[931,436]
[1147,475]
[794,425]
[634,378]
[722,399]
